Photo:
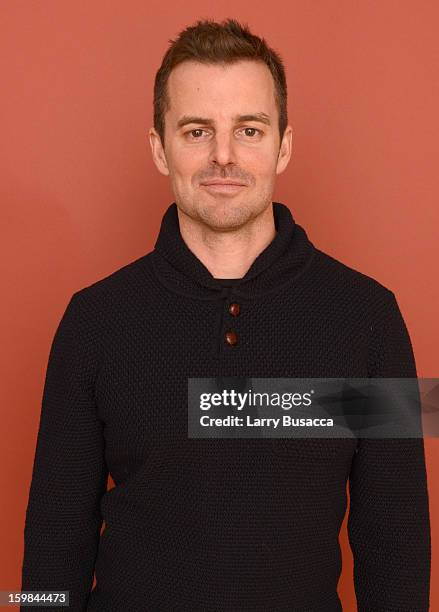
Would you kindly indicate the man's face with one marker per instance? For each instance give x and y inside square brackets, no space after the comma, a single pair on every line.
[208,137]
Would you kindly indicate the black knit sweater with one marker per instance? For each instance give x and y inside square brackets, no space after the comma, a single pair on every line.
[221,525]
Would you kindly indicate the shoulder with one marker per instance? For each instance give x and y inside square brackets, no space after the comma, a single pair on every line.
[119,284]
[97,307]
[347,283]
[371,308]
[348,294]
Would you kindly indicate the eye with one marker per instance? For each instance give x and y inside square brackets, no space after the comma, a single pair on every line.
[252,129]
[191,132]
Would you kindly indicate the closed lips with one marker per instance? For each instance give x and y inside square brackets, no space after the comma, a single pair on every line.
[223,183]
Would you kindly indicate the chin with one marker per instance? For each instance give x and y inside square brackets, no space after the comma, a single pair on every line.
[224,215]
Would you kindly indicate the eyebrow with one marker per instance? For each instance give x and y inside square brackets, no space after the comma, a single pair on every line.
[261,117]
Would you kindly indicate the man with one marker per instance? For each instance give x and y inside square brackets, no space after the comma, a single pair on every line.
[233,288]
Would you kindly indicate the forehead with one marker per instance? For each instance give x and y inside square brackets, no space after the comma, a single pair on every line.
[199,88]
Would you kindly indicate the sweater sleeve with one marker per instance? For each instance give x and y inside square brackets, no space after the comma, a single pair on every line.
[63,521]
[388,523]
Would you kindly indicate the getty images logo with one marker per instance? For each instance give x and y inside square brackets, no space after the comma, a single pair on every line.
[238,400]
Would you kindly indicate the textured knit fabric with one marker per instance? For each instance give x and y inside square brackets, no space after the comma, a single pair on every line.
[227,282]
[221,525]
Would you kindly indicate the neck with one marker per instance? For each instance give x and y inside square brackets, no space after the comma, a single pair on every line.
[228,254]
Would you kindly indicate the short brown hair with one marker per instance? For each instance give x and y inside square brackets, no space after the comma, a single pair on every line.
[210,42]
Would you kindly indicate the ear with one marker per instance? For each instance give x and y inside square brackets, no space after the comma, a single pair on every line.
[285,150]
[158,153]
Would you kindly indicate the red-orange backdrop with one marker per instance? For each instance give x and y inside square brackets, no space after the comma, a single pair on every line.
[80,195]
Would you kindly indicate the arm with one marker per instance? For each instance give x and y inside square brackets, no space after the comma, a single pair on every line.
[388,524]
[69,477]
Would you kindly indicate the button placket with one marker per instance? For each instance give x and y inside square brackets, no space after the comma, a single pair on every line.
[230,336]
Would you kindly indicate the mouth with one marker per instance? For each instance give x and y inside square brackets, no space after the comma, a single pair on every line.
[225,188]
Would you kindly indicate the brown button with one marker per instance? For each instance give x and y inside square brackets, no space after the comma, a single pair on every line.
[231,338]
[234,309]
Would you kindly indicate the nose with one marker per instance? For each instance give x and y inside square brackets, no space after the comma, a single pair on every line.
[222,149]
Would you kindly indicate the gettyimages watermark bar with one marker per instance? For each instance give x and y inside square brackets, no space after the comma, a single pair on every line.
[239,407]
